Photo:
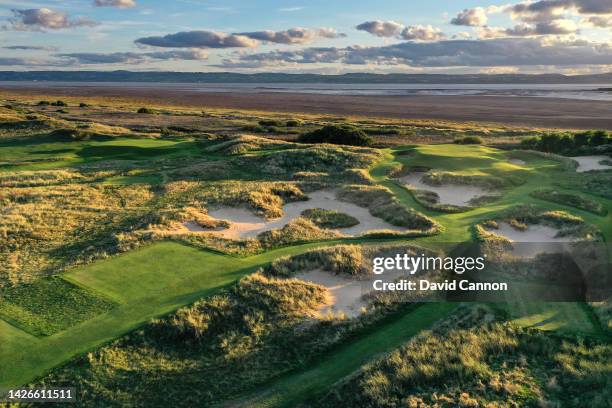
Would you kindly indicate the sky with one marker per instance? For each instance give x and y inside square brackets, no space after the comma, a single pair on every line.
[314,36]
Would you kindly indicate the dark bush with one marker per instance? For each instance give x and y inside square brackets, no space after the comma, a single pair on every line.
[293,123]
[599,137]
[269,122]
[83,105]
[567,143]
[530,143]
[44,103]
[343,135]
[582,139]
[274,129]
[146,110]
[254,129]
[59,103]
[465,140]
[69,135]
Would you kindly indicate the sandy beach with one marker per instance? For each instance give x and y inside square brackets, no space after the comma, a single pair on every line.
[514,111]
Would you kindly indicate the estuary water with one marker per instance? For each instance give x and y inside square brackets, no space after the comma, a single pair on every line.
[597,92]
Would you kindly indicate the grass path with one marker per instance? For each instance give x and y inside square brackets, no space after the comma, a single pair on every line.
[293,389]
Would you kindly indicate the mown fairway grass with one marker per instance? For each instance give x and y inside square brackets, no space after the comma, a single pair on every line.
[72,153]
[567,317]
[146,283]
[158,279]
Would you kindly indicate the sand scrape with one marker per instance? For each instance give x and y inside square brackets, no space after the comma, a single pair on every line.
[245,224]
[451,194]
[346,293]
[588,163]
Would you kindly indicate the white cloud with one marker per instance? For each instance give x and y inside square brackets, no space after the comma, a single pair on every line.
[422,33]
[394,29]
[471,17]
[44,18]
[93,58]
[297,35]
[502,52]
[199,39]
[115,3]
[381,28]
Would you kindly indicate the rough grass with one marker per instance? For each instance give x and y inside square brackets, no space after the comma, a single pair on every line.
[329,218]
[572,200]
[381,203]
[50,305]
[485,366]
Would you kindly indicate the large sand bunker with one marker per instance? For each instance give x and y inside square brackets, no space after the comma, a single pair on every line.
[534,240]
[451,194]
[588,163]
[245,224]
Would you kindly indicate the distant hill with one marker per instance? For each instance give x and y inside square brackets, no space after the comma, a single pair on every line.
[351,78]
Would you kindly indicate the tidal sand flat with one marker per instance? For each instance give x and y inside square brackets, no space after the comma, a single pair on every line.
[245,224]
[540,112]
[588,163]
[452,194]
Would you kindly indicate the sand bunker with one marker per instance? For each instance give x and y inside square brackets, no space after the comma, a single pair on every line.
[534,240]
[346,293]
[588,163]
[245,224]
[452,194]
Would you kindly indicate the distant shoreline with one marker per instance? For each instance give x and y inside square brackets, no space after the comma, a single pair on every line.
[514,111]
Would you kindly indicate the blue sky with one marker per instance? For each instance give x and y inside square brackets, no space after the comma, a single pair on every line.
[331,36]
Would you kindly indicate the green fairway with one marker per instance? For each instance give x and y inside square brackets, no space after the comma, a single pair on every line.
[294,389]
[561,316]
[146,283]
[43,154]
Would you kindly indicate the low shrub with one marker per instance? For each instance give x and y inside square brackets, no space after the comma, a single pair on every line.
[254,129]
[343,135]
[43,103]
[145,110]
[270,122]
[465,140]
[83,105]
[293,123]
[59,103]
